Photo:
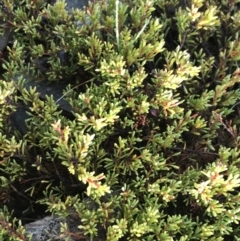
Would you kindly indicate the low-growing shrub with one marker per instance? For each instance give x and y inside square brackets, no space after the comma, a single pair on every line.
[148,145]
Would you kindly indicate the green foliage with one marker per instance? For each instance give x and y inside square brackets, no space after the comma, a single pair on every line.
[150,147]
[11,230]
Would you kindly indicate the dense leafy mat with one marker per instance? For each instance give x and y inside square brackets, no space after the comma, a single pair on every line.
[151,131]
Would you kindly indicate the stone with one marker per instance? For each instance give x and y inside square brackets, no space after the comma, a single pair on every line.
[44,229]
[4,39]
[49,228]
[74,4]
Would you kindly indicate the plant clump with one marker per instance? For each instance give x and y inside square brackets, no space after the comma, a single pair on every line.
[148,147]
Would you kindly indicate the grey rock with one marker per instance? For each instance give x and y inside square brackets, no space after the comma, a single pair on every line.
[44,229]
[18,120]
[44,88]
[49,227]
[76,4]
[4,39]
